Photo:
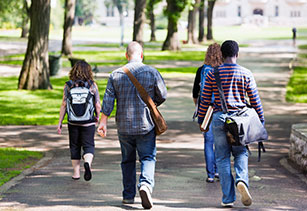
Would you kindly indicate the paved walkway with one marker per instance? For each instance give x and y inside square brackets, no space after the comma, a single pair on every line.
[180,170]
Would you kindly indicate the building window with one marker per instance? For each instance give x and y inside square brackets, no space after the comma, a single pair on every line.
[220,14]
[239,11]
[295,14]
[110,11]
[276,11]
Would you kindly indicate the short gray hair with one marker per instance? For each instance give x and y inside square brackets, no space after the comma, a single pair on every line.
[134,48]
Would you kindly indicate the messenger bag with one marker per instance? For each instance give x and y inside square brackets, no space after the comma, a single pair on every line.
[160,123]
[244,126]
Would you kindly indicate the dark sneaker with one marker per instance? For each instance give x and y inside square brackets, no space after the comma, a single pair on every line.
[217,176]
[145,197]
[87,172]
[227,204]
[246,198]
[128,201]
[210,180]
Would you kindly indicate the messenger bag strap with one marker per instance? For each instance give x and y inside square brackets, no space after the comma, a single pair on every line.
[144,95]
[220,88]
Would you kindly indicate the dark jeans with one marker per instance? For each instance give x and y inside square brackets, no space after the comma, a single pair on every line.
[145,145]
[80,136]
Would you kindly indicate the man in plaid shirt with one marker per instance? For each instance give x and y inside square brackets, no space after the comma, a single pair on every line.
[134,123]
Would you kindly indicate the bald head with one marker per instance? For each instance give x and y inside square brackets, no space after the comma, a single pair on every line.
[134,51]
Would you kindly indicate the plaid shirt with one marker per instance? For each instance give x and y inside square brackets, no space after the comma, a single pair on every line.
[132,114]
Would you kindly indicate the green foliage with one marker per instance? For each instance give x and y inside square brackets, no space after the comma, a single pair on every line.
[85,10]
[174,10]
[10,13]
[150,6]
[13,161]
[39,107]
[57,15]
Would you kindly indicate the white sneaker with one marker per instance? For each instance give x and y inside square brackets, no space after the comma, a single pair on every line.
[227,204]
[145,197]
[128,201]
[246,198]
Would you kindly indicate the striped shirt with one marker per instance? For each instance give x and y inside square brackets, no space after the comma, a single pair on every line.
[236,82]
[132,114]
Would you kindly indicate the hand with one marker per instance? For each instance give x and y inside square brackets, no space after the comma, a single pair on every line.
[102,130]
[59,128]
[96,119]
[203,130]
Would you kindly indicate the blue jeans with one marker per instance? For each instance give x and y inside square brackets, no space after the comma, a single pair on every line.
[145,145]
[209,153]
[223,152]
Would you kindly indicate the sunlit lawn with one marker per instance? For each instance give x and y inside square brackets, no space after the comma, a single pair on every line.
[39,107]
[109,58]
[220,33]
[14,161]
[297,85]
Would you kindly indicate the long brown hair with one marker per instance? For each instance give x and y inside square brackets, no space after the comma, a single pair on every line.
[214,55]
[81,71]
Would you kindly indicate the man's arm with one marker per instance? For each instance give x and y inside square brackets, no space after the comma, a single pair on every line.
[160,90]
[102,128]
[107,107]
[254,98]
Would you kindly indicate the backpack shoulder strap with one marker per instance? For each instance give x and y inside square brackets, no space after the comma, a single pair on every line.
[260,146]
[69,83]
[220,89]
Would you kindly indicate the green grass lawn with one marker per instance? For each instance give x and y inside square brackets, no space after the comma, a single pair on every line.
[14,161]
[38,107]
[297,85]
[111,58]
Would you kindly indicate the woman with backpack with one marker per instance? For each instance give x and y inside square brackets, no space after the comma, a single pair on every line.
[81,102]
[213,58]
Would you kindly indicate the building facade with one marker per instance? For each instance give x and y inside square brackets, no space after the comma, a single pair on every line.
[260,12]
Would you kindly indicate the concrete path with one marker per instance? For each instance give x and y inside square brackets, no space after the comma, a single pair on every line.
[180,170]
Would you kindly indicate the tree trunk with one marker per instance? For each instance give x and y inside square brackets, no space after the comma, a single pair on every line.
[35,69]
[201,30]
[152,26]
[209,18]
[191,24]
[25,20]
[139,20]
[171,42]
[24,27]
[68,22]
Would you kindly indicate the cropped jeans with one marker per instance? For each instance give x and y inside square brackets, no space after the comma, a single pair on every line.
[209,153]
[145,146]
[223,151]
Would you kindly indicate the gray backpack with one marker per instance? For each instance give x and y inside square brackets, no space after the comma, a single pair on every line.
[80,102]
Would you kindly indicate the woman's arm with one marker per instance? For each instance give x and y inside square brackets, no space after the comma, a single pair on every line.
[62,111]
[196,86]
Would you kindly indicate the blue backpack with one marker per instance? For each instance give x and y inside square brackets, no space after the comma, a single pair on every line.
[204,71]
